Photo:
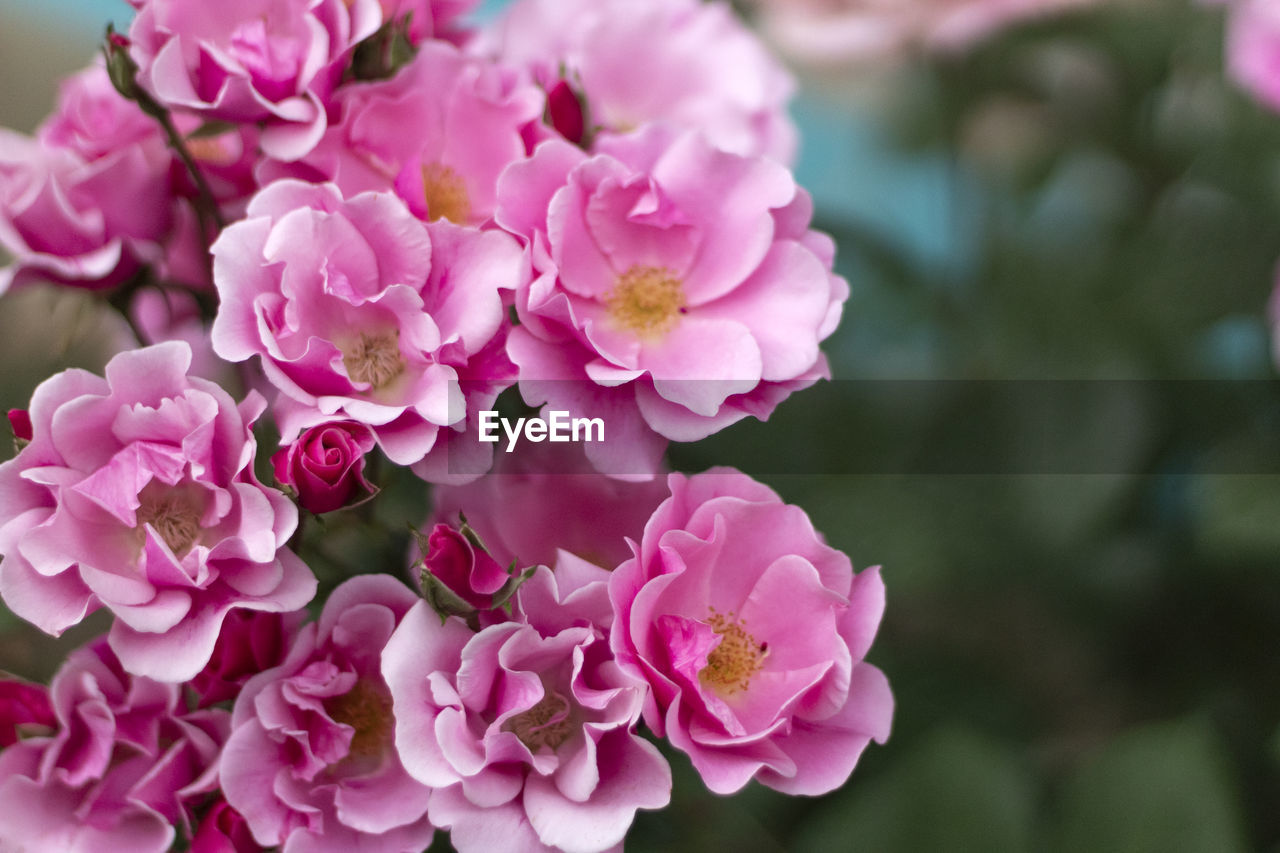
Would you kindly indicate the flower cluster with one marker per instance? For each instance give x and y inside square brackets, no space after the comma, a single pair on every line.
[355,226]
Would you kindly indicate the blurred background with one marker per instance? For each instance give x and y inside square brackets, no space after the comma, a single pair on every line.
[1083,630]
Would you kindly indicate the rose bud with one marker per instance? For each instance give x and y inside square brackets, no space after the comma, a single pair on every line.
[567,113]
[224,830]
[459,575]
[20,423]
[24,708]
[325,466]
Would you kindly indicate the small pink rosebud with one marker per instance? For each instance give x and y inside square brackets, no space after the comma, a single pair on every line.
[325,466]
[469,575]
[20,423]
[23,705]
[566,112]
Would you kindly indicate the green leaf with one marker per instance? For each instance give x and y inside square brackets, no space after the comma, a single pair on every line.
[1155,789]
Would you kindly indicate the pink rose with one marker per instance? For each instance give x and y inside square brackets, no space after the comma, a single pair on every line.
[524,730]
[464,569]
[24,708]
[125,766]
[751,634]
[361,312]
[438,133]
[679,289]
[703,69]
[310,763]
[137,493]
[271,61]
[542,498]
[89,199]
[325,466]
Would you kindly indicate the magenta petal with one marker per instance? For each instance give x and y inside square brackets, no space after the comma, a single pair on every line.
[700,363]
[52,604]
[474,830]
[826,753]
[634,775]
[784,303]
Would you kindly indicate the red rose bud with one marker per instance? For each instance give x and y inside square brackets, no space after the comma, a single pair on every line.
[224,830]
[325,466]
[20,423]
[464,569]
[24,708]
[566,112]
[250,642]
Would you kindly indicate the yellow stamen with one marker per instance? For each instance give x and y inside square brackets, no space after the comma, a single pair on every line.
[731,664]
[445,194]
[647,301]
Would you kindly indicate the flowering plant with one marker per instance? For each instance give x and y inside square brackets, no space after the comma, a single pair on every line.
[373,225]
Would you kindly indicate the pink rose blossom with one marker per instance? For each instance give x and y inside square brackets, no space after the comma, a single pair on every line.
[525,730]
[824,31]
[125,766]
[545,497]
[137,493]
[325,466]
[361,312]
[751,633]
[438,133]
[88,200]
[310,763]
[701,67]
[24,709]
[679,289]
[272,61]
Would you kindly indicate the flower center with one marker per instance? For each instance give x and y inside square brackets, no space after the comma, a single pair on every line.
[545,724]
[173,518]
[646,300]
[375,358]
[731,664]
[445,194]
[367,709]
